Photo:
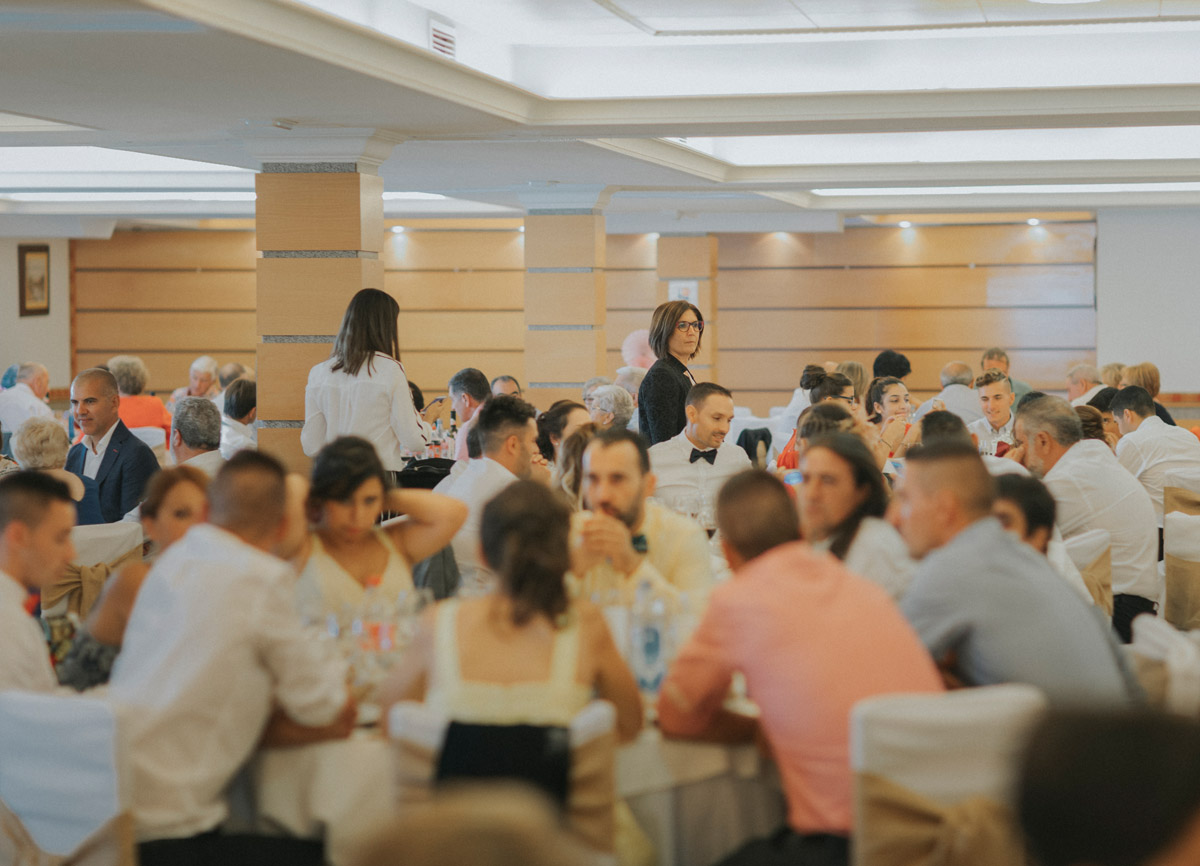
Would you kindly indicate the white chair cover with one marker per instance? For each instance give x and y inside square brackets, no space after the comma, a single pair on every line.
[105,542]
[1180,602]
[1086,546]
[1158,640]
[155,437]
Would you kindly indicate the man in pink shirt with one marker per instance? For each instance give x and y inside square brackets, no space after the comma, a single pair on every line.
[812,640]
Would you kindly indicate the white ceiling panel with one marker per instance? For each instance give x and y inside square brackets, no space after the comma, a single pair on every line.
[891,13]
[1010,11]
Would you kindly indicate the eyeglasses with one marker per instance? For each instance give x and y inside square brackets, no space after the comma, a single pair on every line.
[849,400]
[684,327]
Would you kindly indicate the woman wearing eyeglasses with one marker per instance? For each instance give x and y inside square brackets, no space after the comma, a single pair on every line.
[675,331]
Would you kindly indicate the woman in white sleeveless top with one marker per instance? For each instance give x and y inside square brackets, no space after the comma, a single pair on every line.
[346,550]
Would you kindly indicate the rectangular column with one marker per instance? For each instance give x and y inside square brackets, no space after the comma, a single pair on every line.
[687,258]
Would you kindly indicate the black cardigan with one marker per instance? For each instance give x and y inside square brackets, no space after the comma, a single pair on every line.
[661,399]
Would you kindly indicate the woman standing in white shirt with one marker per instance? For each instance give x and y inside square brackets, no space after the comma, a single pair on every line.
[362,390]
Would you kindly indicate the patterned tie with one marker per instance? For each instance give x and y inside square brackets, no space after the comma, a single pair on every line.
[710,456]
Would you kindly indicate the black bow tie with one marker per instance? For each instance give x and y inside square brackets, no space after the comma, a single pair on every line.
[710,456]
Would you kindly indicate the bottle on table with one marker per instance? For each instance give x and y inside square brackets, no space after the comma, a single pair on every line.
[648,635]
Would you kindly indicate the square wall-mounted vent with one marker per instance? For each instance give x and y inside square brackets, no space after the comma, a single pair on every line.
[442,38]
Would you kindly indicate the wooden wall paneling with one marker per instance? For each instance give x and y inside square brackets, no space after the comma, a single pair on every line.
[319,211]
[431,371]
[564,241]
[457,290]
[464,331]
[182,250]
[564,298]
[454,251]
[687,257]
[165,290]
[631,252]
[283,444]
[286,366]
[130,331]
[309,296]
[632,290]
[563,356]
[622,322]
[168,369]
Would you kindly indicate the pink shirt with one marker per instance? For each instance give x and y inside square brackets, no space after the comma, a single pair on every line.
[812,640]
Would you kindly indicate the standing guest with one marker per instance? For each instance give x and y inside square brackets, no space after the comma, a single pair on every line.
[114,458]
[26,399]
[568,475]
[556,424]
[890,363]
[676,329]
[36,517]
[612,406]
[1083,383]
[41,444]
[214,647]
[238,432]
[506,386]
[1110,374]
[362,389]
[1103,402]
[1094,491]
[957,394]
[138,409]
[1145,375]
[469,389]
[227,374]
[202,382]
[590,386]
[996,358]
[994,431]
[196,435]
[694,464]
[857,374]
[1149,448]
[812,640]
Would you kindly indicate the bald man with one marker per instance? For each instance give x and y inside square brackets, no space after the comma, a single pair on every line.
[956,396]
[988,608]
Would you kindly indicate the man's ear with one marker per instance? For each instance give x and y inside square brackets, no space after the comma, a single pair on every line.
[1040,538]
[651,482]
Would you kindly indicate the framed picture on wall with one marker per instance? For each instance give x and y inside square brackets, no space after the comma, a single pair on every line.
[33,278]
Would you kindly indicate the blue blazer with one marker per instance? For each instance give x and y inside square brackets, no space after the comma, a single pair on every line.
[127,466]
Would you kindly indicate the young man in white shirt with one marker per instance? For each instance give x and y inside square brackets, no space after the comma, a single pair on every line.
[36,518]
[26,399]
[1149,447]
[994,431]
[237,418]
[693,465]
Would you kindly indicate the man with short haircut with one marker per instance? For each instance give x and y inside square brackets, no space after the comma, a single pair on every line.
[939,426]
[196,435]
[956,396]
[26,399]
[1150,448]
[989,609]
[202,382]
[1093,491]
[1025,507]
[994,431]
[812,640]
[889,362]
[506,386]
[996,358]
[507,429]
[119,462]
[227,374]
[1083,383]
[693,465]
[213,647]
[469,389]
[625,537]
[238,432]
[37,515]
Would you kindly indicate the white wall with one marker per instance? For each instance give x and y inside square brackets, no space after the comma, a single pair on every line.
[1148,291]
[46,339]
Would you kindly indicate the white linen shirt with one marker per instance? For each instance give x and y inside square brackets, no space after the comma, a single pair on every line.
[678,477]
[213,643]
[376,406]
[879,554]
[236,436]
[989,437]
[475,486]
[93,459]
[1082,399]
[1093,491]
[959,399]
[18,404]
[1154,449]
[24,656]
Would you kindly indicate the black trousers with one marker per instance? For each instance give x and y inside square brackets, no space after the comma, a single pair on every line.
[1125,608]
[786,847]
[218,849]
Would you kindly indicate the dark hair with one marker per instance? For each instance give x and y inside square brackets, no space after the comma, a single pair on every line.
[370,325]
[875,393]
[616,435]
[1091,422]
[25,496]
[471,382]
[941,424]
[523,532]
[1133,398]
[552,422]
[1103,399]
[1029,397]
[241,398]
[972,481]
[1031,496]
[992,377]
[343,466]
[164,481]
[826,385]
[822,418]
[756,513]
[662,325]
[811,375]
[248,493]
[889,362]
[418,396]
[512,379]
[854,452]
[474,443]
[499,418]
[701,391]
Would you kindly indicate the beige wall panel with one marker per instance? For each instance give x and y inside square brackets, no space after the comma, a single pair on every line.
[309,296]
[621,322]
[319,211]
[167,251]
[564,241]
[168,369]
[453,251]
[917,329]
[457,224]
[283,371]
[684,258]
[284,446]
[462,290]
[206,333]
[544,398]
[614,362]
[563,356]
[468,331]
[631,290]
[164,290]
[930,245]
[564,299]
[631,251]
[1022,285]
[431,371]
[760,402]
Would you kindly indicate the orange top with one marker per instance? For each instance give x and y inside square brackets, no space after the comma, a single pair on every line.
[145,411]
[788,458]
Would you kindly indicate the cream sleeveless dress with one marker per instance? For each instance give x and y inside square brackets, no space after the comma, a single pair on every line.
[323,581]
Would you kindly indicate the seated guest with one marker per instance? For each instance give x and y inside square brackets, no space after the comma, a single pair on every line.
[994,431]
[506,386]
[857,374]
[636,350]
[346,552]
[590,386]
[812,640]
[630,378]
[1145,375]
[137,409]
[1110,374]
[1091,422]
[227,374]
[556,424]
[942,425]
[1093,491]
[26,399]
[611,407]
[36,516]
[625,537]
[196,435]
[1103,403]
[468,390]
[826,417]
[238,432]
[1026,508]
[822,388]
[1148,447]
[957,394]
[694,464]
[568,475]
[508,436]
[888,407]
[202,382]
[996,358]
[1083,383]
[176,500]
[989,609]
[891,364]
[842,499]
[213,647]
[114,458]
[42,444]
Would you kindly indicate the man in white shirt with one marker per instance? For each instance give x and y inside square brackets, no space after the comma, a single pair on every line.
[956,395]
[1149,447]
[36,518]
[1093,491]
[226,376]
[507,430]
[1083,383]
[626,537]
[469,389]
[994,431]
[196,435]
[237,420]
[26,399]
[214,651]
[690,468]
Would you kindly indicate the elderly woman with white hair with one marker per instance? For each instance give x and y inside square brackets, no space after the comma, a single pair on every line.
[611,407]
[202,382]
[137,409]
[42,444]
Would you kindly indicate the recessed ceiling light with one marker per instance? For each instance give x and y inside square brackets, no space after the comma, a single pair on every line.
[1034,222]
[904,224]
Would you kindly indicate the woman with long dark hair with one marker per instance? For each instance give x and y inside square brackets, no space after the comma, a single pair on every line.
[676,329]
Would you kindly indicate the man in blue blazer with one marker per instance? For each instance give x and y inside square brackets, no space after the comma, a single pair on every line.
[120,463]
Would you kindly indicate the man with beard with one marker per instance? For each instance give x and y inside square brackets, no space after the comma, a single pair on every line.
[626,537]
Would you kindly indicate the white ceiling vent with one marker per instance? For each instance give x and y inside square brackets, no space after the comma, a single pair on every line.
[442,38]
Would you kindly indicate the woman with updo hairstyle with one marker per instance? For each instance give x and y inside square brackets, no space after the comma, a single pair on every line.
[1145,375]
[483,660]
[676,331]
[823,388]
[568,474]
[558,422]
[42,444]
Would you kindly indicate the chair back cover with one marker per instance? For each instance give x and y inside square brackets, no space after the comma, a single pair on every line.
[1091,552]
[1181,548]
[1170,658]
[99,550]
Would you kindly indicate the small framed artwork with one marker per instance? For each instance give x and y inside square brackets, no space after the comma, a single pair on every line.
[33,278]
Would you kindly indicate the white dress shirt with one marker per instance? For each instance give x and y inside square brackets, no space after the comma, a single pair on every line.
[236,436]
[93,452]
[18,404]
[24,656]
[475,486]
[1154,449]
[1082,399]
[377,406]
[209,462]
[959,399]
[678,477]
[1093,491]
[879,554]
[213,643]
[989,437]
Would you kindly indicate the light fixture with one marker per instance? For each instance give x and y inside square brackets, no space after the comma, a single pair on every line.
[397,229]
[1034,222]
[904,224]
[1014,189]
[521,229]
[1063,2]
